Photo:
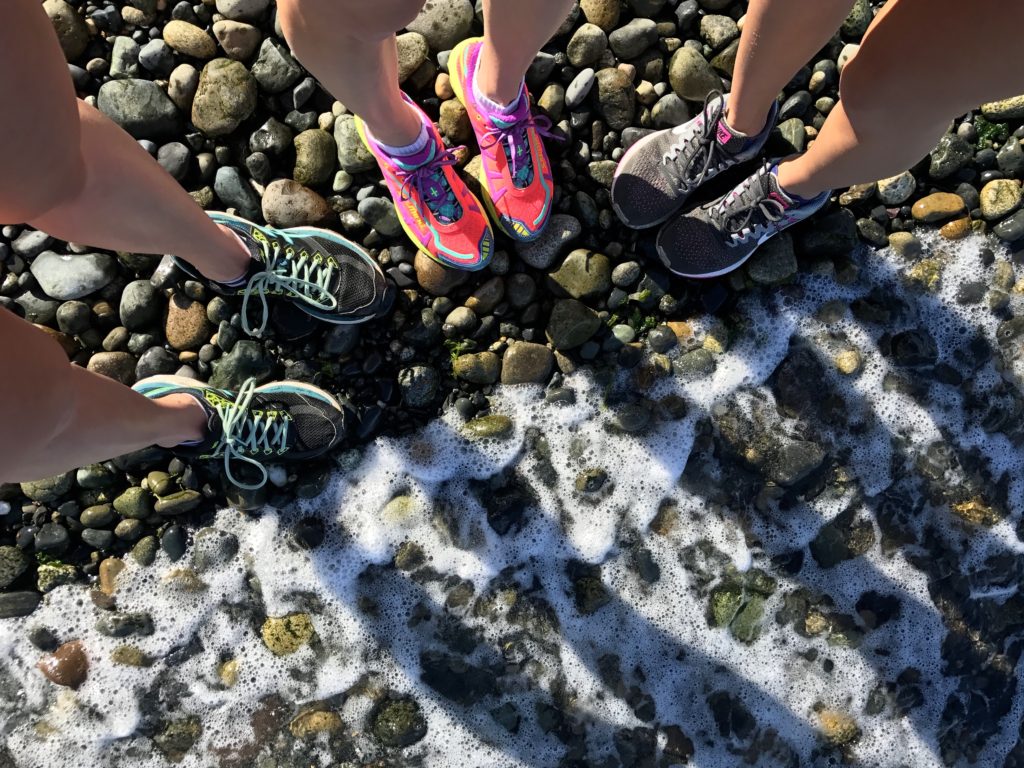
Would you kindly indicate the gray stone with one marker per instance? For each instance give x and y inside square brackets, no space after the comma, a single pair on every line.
[616,98]
[72,276]
[140,107]
[49,489]
[174,158]
[243,10]
[691,76]
[182,86]
[571,324]
[273,137]
[315,157]
[774,262]
[238,39]
[31,243]
[413,50]
[124,57]
[353,156]
[670,111]
[952,154]
[579,88]
[586,46]
[13,563]
[584,274]
[443,23]
[287,203]
[140,307]
[70,27]
[274,69]
[419,385]
[561,230]
[225,97]
[858,20]
[718,31]
[246,360]
[235,192]
[380,214]
[634,38]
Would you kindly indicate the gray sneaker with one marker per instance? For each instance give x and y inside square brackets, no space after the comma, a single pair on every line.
[659,172]
[718,237]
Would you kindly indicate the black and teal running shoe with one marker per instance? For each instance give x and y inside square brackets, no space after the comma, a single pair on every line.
[281,422]
[327,276]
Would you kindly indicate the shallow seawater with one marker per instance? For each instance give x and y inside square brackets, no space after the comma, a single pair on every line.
[555,596]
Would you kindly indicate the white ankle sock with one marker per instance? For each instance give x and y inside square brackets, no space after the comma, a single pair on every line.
[409,149]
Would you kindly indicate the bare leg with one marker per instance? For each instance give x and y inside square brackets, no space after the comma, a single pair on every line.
[779,36]
[892,108]
[514,31]
[349,45]
[72,173]
[54,415]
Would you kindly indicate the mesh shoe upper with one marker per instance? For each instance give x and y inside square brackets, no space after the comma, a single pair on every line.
[720,236]
[660,171]
[285,421]
[327,275]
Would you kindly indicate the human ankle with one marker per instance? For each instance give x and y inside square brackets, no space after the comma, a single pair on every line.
[744,122]
[233,259]
[186,420]
[796,185]
[491,83]
[400,128]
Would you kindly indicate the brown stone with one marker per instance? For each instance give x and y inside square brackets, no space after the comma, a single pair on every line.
[436,279]
[119,366]
[187,326]
[454,121]
[67,666]
[189,39]
[110,569]
[956,229]
[937,207]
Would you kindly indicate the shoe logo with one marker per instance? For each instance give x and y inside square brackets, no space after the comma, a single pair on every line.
[724,136]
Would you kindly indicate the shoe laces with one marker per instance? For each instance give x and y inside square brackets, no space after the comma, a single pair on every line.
[739,210]
[514,139]
[248,432]
[703,146]
[430,186]
[299,274]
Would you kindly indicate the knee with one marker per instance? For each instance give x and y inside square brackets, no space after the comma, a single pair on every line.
[864,94]
[43,186]
[307,24]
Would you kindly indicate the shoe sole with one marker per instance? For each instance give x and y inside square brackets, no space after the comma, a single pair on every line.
[387,301]
[413,237]
[182,381]
[455,63]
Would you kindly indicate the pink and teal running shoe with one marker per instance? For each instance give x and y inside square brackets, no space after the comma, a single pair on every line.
[516,172]
[435,207]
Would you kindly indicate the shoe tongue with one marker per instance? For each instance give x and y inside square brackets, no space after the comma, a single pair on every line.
[776,192]
[728,138]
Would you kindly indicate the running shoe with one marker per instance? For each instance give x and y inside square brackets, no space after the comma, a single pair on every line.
[717,238]
[285,421]
[435,207]
[327,276]
[659,172]
[515,172]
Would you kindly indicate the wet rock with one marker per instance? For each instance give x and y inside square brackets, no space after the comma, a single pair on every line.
[311,723]
[937,207]
[999,198]
[527,363]
[16,604]
[419,385]
[562,229]
[796,461]
[124,624]
[213,548]
[494,426]
[456,679]
[287,634]
[398,722]
[178,737]
[67,666]
[838,727]
[479,368]
[13,563]
[247,360]
[584,274]
[50,488]
[571,324]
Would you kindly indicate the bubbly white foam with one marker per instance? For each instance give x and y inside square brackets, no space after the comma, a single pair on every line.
[659,628]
